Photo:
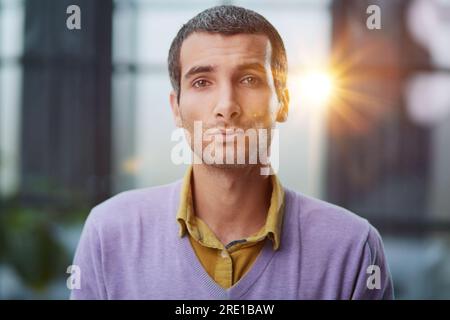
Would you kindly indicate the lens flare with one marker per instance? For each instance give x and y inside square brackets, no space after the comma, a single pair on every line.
[314,88]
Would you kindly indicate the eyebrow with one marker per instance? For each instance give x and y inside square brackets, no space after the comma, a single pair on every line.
[210,68]
[199,69]
[252,66]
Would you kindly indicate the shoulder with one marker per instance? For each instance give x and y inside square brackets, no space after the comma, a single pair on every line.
[133,206]
[325,225]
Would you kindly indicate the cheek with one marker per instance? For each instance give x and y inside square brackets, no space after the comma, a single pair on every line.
[260,106]
[193,107]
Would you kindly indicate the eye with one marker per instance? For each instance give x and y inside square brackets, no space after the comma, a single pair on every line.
[200,83]
[250,80]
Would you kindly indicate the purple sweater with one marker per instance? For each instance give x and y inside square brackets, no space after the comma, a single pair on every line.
[130,249]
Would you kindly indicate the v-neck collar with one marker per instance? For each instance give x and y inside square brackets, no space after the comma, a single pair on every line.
[238,289]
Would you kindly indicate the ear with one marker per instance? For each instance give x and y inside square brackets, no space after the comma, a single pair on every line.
[283,107]
[175,109]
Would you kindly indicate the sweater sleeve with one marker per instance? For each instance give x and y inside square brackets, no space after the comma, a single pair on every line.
[88,259]
[374,280]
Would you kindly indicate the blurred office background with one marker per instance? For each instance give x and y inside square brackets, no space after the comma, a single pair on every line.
[84,115]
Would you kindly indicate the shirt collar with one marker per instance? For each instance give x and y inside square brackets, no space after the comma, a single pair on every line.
[272,228]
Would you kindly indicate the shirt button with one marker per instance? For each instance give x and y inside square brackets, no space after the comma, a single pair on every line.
[224,254]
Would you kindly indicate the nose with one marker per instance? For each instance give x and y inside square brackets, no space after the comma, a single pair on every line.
[227,107]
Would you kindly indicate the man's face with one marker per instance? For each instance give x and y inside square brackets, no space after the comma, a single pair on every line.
[226,83]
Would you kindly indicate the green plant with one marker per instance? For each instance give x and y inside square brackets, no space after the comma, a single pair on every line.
[30,245]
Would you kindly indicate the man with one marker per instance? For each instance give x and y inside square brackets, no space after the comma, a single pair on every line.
[227,231]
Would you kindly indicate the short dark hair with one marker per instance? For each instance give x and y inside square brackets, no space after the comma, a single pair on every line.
[230,20]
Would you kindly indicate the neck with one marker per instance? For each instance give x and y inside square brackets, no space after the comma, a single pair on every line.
[233,202]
